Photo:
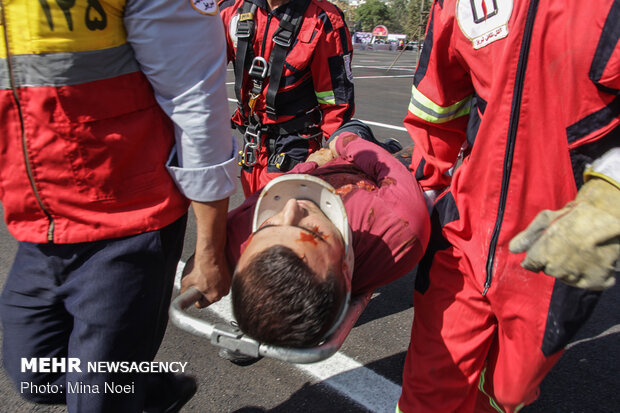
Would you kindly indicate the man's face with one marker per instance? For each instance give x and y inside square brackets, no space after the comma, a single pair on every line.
[301,226]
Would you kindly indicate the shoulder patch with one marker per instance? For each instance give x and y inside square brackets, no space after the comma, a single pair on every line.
[204,6]
[483,21]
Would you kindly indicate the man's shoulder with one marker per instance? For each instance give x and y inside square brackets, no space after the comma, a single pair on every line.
[226,6]
[331,16]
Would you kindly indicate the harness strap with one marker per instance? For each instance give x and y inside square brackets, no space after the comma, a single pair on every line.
[305,126]
[245,38]
[283,38]
[308,123]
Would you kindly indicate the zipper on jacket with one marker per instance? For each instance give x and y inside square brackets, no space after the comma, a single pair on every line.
[512,135]
[50,228]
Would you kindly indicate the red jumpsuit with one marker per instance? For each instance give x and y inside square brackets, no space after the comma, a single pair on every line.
[530,91]
[316,83]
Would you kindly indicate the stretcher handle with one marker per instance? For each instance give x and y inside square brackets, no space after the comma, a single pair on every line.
[185,321]
[230,337]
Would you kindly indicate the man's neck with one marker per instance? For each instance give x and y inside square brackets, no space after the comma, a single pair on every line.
[273,4]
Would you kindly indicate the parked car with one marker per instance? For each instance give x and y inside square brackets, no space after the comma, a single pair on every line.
[412,45]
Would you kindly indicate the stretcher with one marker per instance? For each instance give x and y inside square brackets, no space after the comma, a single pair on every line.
[227,336]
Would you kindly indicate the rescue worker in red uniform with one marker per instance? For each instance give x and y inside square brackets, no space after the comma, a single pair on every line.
[533,105]
[293,81]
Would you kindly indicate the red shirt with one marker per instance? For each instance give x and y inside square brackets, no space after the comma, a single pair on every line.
[385,206]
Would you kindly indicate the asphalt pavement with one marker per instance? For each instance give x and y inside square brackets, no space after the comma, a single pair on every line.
[365,375]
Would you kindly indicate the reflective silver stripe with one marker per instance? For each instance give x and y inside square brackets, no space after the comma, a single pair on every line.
[428,110]
[4,75]
[63,69]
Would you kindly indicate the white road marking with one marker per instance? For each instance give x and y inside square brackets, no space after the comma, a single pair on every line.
[384,125]
[408,68]
[369,122]
[381,77]
[343,374]
[610,330]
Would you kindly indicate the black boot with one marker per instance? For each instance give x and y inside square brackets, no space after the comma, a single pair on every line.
[168,393]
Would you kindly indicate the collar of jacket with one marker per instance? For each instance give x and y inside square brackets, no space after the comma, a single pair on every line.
[278,12]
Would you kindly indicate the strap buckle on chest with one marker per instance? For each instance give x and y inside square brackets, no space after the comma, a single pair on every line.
[249,155]
[245,25]
[259,68]
[283,35]
[258,72]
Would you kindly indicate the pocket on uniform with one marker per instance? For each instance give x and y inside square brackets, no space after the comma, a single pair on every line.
[300,56]
[118,138]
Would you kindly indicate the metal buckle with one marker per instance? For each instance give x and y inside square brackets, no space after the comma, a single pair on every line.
[244,29]
[320,112]
[259,68]
[279,160]
[248,156]
[254,132]
[284,41]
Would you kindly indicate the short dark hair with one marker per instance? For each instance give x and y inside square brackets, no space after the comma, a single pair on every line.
[279,300]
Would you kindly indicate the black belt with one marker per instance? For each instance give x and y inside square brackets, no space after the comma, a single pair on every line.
[309,122]
[306,126]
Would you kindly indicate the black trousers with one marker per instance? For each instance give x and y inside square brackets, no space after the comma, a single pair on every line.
[95,301]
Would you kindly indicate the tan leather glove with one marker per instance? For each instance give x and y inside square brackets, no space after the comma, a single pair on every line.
[578,244]
[321,157]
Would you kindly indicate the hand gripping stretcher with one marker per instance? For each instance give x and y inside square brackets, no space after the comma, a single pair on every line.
[227,336]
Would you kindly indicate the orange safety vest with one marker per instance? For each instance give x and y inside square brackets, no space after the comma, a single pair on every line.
[83,141]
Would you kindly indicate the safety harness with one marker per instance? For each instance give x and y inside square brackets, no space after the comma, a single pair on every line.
[258,69]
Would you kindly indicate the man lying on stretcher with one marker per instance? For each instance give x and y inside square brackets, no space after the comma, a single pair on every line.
[349,220]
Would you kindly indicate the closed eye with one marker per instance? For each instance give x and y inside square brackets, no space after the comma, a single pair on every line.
[318,235]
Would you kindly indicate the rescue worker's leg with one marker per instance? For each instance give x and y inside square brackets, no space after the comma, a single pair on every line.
[516,364]
[35,324]
[276,157]
[458,334]
[254,178]
[116,294]
[453,328]
[122,314]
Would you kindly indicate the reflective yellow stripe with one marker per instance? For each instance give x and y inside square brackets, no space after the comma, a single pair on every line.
[424,108]
[326,98]
[398,409]
[41,26]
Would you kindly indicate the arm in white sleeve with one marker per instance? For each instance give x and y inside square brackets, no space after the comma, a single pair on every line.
[182,52]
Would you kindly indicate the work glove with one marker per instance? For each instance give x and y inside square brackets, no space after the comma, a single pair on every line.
[578,244]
